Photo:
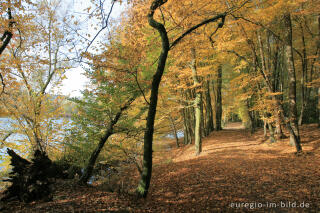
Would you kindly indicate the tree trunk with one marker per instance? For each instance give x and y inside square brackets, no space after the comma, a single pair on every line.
[279,132]
[272,87]
[144,183]
[187,121]
[186,132]
[294,134]
[272,139]
[191,110]
[219,100]
[190,119]
[30,180]
[250,123]
[174,130]
[304,97]
[318,45]
[89,168]
[319,107]
[197,104]
[264,128]
[203,123]
[197,135]
[278,104]
[209,113]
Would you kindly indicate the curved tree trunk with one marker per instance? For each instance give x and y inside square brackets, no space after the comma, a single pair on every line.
[144,183]
[145,179]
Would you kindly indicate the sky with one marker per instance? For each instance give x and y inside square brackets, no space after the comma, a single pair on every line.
[75,80]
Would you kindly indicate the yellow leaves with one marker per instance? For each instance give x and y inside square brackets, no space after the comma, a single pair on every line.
[312,56]
[273,93]
[242,65]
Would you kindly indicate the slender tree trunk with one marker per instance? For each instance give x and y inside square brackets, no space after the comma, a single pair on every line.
[186,132]
[209,113]
[144,183]
[174,129]
[250,125]
[89,168]
[294,135]
[319,107]
[272,85]
[191,113]
[219,100]
[197,104]
[203,131]
[278,104]
[279,88]
[272,139]
[197,136]
[279,132]
[304,97]
[265,128]
[318,45]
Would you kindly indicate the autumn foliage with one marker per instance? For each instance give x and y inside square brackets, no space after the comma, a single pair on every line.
[166,72]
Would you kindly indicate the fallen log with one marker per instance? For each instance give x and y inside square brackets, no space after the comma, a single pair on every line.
[30,181]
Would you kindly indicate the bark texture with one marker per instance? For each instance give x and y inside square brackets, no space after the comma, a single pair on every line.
[219,100]
[197,104]
[294,134]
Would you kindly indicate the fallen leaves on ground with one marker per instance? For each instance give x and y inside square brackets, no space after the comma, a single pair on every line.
[236,172]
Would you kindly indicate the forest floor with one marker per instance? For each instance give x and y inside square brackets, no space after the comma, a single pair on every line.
[236,172]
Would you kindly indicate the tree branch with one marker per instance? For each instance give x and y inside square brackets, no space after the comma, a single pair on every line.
[266,28]
[102,28]
[213,19]
[7,35]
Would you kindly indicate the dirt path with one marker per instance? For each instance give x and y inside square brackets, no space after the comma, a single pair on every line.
[235,168]
[236,172]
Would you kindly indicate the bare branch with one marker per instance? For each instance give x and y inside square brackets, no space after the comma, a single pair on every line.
[103,27]
[213,19]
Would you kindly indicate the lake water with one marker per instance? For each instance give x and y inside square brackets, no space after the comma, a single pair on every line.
[6,124]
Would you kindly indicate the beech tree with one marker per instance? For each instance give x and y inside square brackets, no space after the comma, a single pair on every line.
[197,104]
[144,183]
[32,76]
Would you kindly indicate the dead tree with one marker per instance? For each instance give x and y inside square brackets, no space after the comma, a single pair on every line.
[30,180]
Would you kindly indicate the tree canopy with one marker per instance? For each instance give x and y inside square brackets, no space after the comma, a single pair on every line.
[161,70]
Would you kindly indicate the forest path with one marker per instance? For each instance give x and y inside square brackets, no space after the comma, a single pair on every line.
[236,172]
[236,167]
[232,140]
